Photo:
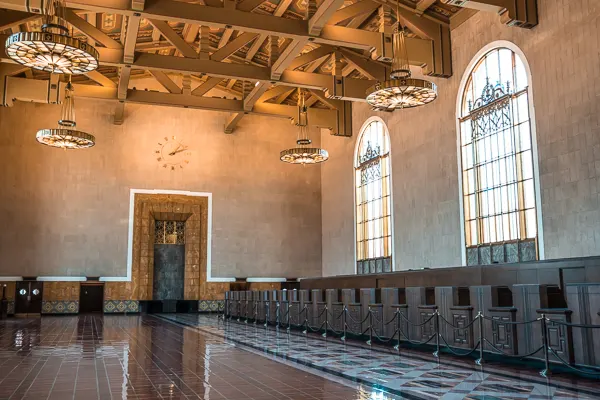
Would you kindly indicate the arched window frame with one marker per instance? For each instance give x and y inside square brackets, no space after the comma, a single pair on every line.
[534,147]
[356,165]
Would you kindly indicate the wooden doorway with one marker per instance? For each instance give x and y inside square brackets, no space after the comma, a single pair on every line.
[28,298]
[91,297]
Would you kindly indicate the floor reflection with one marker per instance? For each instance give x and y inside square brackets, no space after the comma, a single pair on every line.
[141,357]
[407,375]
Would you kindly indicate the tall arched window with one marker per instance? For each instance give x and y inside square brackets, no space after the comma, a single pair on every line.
[497,158]
[373,199]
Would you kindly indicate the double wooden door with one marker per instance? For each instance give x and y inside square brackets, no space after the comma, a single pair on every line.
[28,299]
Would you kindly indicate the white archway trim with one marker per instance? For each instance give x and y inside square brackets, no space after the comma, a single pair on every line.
[354,165]
[132,193]
[536,167]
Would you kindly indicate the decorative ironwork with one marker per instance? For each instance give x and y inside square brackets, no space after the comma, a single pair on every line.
[370,153]
[491,112]
[169,232]
[370,172]
[489,94]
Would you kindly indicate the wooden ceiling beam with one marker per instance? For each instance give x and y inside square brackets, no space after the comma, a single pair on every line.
[190,31]
[232,122]
[352,11]
[273,92]
[521,13]
[286,57]
[206,86]
[441,44]
[166,82]
[101,79]
[225,37]
[213,3]
[131,33]
[279,11]
[249,5]
[423,5]
[181,45]
[233,46]
[371,69]
[461,17]
[12,18]
[322,16]
[311,56]
[281,98]
[24,89]
[260,40]
[91,31]
[123,84]
[254,95]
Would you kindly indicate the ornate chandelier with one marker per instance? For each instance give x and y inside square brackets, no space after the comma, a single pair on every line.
[400,91]
[52,49]
[303,154]
[66,135]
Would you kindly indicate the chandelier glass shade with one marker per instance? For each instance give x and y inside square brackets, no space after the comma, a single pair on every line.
[401,90]
[303,153]
[53,49]
[66,135]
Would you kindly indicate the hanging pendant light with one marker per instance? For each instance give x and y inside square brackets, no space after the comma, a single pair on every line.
[303,154]
[66,136]
[53,49]
[400,91]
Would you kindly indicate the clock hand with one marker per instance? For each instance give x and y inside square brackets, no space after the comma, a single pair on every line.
[174,151]
[178,151]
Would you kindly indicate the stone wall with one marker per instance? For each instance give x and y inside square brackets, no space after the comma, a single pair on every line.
[66,213]
[562,53]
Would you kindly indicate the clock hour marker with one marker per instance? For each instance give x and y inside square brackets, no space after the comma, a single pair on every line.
[166,139]
[159,159]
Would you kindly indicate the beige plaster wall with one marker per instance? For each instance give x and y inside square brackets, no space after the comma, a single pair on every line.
[66,212]
[564,59]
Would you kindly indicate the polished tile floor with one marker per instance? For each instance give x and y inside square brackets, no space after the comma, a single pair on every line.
[198,356]
[413,375]
[139,357]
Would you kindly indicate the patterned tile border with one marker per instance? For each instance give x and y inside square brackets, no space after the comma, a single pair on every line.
[60,307]
[211,305]
[400,374]
[121,306]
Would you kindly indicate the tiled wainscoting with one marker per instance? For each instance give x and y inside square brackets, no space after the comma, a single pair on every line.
[60,307]
[211,305]
[121,306]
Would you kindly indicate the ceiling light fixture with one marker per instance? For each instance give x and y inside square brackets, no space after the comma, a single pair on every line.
[66,136]
[303,154]
[401,90]
[53,49]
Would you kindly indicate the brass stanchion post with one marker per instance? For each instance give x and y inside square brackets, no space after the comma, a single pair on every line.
[437,334]
[546,370]
[344,323]
[479,361]
[326,322]
[370,327]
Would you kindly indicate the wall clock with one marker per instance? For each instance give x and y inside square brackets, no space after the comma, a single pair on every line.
[172,153]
